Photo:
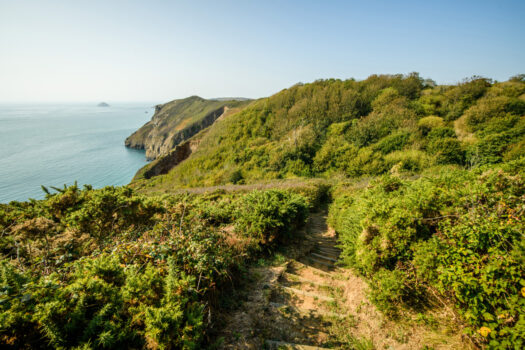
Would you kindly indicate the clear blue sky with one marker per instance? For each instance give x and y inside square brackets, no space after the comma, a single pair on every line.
[161,50]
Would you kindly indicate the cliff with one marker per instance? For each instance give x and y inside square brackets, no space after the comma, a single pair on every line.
[176,122]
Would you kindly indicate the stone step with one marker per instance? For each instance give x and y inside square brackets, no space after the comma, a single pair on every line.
[323,257]
[307,294]
[275,344]
[302,311]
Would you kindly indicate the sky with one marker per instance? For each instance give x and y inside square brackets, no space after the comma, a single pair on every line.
[74,51]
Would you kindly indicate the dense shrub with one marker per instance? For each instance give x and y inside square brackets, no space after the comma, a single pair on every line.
[459,234]
[392,143]
[270,215]
[441,133]
[490,149]
[446,150]
[426,124]
[148,269]
[407,160]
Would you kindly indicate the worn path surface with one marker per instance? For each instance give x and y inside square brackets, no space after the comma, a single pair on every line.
[308,302]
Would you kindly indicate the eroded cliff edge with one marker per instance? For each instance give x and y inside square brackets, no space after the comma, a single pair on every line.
[177,121]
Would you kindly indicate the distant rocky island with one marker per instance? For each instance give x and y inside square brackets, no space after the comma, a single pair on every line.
[103,104]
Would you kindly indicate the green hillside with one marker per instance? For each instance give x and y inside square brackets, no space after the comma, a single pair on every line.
[176,121]
[412,198]
[337,129]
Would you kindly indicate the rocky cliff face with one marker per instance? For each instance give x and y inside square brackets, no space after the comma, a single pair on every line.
[176,122]
[164,164]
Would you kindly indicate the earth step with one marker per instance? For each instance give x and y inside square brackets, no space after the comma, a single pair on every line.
[307,311]
[293,278]
[329,249]
[273,344]
[320,237]
[308,294]
[323,257]
[332,255]
[322,240]
[319,262]
[299,265]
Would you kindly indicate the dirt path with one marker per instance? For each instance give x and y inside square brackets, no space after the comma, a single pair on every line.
[309,303]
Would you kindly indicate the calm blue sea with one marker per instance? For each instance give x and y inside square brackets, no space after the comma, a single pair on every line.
[53,145]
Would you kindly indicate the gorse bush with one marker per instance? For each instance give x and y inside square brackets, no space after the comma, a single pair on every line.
[458,234]
[270,215]
[112,269]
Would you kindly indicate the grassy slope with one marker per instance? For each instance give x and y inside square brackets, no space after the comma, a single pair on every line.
[346,128]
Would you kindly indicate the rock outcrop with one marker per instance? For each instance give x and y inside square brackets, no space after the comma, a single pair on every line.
[164,164]
[177,121]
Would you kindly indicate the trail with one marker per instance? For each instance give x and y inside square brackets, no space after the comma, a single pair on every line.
[309,303]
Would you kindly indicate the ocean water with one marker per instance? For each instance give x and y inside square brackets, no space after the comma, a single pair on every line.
[53,145]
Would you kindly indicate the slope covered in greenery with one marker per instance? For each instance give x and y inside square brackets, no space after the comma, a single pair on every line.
[176,121]
[112,269]
[334,128]
[452,236]
[428,197]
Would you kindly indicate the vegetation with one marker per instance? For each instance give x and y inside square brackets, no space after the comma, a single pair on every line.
[428,192]
[337,129]
[453,235]
[112,269]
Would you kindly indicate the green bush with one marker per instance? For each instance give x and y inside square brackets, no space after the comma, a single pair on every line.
[446,150]
[516,151]
[388,290]
[490,149]
[407,160]
[392,143]
[141,274]
[459,234]
[270,215]
[441,133]
[426,124]
[104,305]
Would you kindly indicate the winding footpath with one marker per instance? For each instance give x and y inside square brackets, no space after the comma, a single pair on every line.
[310,303]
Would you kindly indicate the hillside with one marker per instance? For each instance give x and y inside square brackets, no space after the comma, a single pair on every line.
[338,129]
[176,121]
[384,213]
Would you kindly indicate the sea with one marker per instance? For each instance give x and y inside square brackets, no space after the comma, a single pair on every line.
[57,144]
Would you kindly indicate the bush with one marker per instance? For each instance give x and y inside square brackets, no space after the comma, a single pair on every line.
[392,143]
[147,276]
[104,305]
[516,151]
[441,133]
[447,150]
[270,215]
[458,234]
[236,177]
[490,149]
[407,160]
[388,290]
[426,124]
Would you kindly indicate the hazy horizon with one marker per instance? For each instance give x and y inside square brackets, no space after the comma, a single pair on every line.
[130,51]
